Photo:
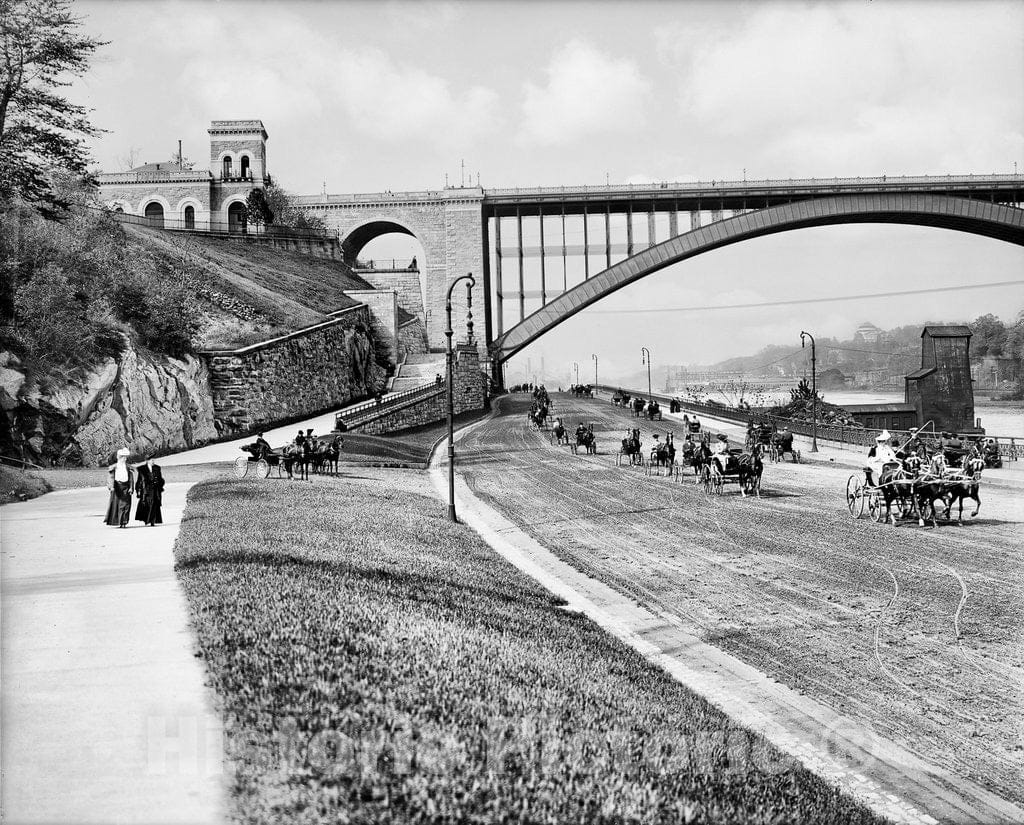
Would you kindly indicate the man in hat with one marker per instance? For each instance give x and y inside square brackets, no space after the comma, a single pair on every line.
[262,446]
[914,445]
[880,455]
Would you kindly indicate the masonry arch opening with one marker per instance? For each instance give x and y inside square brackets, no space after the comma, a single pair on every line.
[155,214]
[388,255]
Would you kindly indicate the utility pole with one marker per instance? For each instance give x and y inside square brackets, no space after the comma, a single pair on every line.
[595,371]
[180,167]
[814,393]
[576,367]
[647,360]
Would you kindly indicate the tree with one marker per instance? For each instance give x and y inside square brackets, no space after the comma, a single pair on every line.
[41,130]
[989,335]
[257,211]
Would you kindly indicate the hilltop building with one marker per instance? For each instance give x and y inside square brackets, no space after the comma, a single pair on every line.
[172,196]
[868,332]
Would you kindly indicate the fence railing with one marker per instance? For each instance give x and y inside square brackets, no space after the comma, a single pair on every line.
[370,410]
[894,183]
[205,226]
[386,265]
[840,434]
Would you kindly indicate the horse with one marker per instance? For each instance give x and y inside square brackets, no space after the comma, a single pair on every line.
[334,454]
[969,486]
[299,460]
[585,438]
[560,435]
[895,482]
[631,446]
[664,454]
[701,458]
[638,407]
[931,486]
[750,469]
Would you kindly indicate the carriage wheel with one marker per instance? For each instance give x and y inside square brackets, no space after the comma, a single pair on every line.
[719,484]
[704,479]
[262,469]
[875,507]
[241,466]
[855,495]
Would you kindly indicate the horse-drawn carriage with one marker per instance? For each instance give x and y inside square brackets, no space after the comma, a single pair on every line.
[263,460]
[291,460]
[914,486]
[691,425]
[743,468]
[775,443]
[584,437]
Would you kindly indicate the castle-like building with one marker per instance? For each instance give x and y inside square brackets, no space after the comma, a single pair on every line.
[169,195]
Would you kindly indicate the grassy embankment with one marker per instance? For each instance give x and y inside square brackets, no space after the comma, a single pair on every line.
[376,663]
[289,290]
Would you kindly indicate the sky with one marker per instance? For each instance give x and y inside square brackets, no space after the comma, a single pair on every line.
[367,97]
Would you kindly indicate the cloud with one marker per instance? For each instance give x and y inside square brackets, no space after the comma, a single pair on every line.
[586,92]
[841,88]
[393,101]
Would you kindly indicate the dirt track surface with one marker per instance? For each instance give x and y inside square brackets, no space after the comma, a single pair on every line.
[863,617]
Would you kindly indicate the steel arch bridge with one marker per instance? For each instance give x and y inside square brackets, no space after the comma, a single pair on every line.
[966,214]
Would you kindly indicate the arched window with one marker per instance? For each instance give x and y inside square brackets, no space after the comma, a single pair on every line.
[227,168]
[244,163]
[190,217]
[236,218]
[155,214]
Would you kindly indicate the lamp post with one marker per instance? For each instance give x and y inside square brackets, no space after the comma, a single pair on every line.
[595,371]
[814,392]
[450,360]
[645,358]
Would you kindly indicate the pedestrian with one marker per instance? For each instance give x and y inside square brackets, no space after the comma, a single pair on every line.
[150,489]
[119,482]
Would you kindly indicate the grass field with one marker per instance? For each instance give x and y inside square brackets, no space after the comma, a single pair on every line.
[377,663]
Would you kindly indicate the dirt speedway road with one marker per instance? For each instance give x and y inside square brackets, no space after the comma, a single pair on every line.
[914,632]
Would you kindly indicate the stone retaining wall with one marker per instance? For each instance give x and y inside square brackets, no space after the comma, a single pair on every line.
[300,374]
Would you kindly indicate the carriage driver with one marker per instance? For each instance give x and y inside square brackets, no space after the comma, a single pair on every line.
[262,446]
[878,456]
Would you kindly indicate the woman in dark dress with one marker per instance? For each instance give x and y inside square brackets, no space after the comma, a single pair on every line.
[150,488]
[120,483]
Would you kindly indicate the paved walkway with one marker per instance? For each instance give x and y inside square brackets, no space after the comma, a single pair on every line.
[105,714]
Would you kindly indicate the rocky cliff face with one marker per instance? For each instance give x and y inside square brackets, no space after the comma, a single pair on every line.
[145,402]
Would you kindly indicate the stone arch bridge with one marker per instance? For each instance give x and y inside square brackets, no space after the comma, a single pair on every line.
[543,254]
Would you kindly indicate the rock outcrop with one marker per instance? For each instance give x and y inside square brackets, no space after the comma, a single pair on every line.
[146,402]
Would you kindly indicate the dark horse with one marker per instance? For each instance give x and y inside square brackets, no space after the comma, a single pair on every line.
[969,486]
[700,457]
[585,438]
[631,446]
[750,469]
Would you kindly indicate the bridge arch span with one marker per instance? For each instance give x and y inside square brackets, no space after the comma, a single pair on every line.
[361,234]
[993,220]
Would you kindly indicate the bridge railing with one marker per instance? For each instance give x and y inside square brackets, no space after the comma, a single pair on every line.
[386,265]
[370,410]
[215,227]
[766,183]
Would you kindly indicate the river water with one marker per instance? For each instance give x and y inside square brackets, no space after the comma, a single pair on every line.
[1003,419]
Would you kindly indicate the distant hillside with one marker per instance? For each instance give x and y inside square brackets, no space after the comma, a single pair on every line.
[893,352]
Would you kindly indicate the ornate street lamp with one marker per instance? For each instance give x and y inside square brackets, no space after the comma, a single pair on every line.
[645,358]
[814,392]
[451,381]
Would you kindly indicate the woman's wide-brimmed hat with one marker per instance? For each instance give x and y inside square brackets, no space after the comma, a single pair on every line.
[723,437]
[124,452]
[883,436]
